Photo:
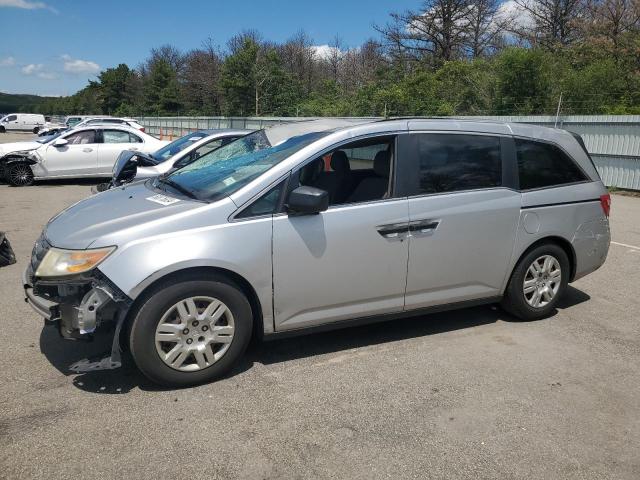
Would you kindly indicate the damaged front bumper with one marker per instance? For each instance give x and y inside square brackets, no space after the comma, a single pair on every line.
[77,305]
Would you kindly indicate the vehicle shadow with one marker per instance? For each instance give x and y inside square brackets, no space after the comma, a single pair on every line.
[61,354]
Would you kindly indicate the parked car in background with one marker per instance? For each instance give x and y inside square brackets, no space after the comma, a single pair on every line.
[79,152]
[28,122]
[134,165]
[320,225]
[111,121]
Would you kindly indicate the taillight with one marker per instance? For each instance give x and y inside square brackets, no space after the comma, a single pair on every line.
[605,202]
[142,129]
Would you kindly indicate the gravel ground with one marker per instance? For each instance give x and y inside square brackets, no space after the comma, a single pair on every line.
[466,394]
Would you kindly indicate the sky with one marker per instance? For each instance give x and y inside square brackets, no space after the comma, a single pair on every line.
[53,47]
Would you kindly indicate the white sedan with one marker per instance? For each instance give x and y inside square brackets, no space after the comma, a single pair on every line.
[82,152]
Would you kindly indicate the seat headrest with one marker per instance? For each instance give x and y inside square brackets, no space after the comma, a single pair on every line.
[340,162]
[382,163]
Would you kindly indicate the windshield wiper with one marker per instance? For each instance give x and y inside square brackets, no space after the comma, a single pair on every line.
[178,187]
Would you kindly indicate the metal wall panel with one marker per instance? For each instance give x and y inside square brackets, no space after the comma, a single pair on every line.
[612,140]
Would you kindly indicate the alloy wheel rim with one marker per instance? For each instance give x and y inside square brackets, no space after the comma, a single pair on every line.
[542,281]
[20,175]
[194,333]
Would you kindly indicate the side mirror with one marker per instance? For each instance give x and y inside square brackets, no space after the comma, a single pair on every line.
[60,142]
[307,200]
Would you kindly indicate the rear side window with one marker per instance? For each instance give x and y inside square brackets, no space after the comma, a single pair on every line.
[544,165]
[450,163]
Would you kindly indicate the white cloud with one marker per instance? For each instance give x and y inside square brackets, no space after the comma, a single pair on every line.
[325,51]
[26,5]
[517,16]
[7,62]
[47,75]
[74,65]
[32,68]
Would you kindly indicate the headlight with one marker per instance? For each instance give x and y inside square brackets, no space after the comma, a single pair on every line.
[57,262]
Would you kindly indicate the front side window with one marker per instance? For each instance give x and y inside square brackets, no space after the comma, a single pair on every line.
[11,118]
[115,136]
[227,169]
[544,165]
[452,162]
[81,138]
[356,172]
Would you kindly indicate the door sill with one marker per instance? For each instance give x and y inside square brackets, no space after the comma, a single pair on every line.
[355,322]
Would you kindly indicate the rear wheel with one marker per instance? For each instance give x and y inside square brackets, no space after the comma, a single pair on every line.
[191,332]
[19,174]
[537,282]
[36,130]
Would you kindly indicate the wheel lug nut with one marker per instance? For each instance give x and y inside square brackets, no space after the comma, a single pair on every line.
[185,331]
[205,328]
[189,341]
[195,323]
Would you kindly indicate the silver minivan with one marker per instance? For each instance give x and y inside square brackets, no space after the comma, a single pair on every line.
[321,224]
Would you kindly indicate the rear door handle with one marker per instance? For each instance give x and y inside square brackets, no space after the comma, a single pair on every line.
[393,231]
[87,150]
[423,227]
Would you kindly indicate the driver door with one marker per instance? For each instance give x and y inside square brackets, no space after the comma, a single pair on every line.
[349,261]
[78,157]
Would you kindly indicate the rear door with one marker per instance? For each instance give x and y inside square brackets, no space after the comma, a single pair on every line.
[114,141]
[463,215]
[78,157]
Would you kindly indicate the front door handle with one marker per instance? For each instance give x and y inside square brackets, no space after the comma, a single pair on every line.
[393,230]
[87,150]
[423,227]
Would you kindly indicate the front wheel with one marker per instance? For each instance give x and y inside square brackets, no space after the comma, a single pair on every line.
[19,175]
[537,282]
[190,332]
[2,129]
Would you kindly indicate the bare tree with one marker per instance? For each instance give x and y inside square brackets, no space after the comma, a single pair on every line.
[485,27]
[200,78]
[612,19]
[553,22]
[298,58]
[438,31]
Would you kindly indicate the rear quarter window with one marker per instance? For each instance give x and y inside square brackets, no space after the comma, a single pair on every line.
[544,165]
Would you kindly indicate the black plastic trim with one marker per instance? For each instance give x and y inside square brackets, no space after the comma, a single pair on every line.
[542,205]
[340,324]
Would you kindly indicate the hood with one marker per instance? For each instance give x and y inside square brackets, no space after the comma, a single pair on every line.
[6,148]
[113,211]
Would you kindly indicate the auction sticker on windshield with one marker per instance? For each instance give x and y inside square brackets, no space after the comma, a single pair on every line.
[163,199]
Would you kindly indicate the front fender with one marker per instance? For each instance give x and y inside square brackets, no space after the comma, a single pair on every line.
[12,158]
[242,248]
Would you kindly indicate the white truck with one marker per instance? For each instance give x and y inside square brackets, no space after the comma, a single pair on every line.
[30,122]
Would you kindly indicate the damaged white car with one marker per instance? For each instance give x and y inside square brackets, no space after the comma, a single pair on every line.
[81,152]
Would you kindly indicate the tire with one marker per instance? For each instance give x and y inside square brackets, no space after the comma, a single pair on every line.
[166,314]
[2,129]
[19,174]
[543,285]
[36,130]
